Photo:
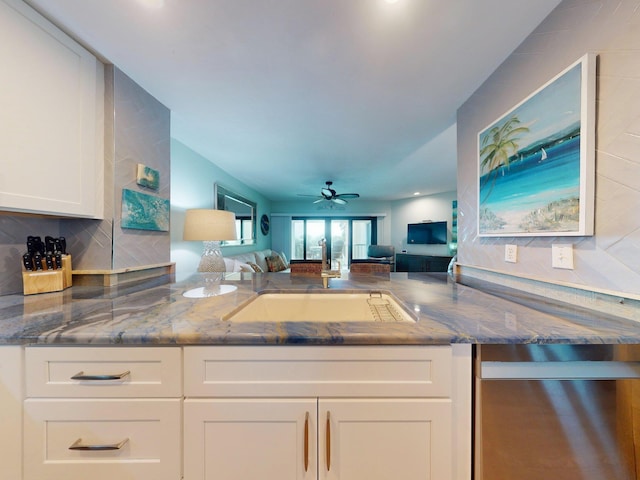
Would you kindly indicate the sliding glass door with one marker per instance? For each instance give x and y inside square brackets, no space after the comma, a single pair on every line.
[347,238]
[362,233]
[339,244]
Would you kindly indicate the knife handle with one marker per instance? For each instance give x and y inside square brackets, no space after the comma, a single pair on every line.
[49,261]
[63,245]
[38,246]
[27,261]
[37,261]
[58,260]
[49,243]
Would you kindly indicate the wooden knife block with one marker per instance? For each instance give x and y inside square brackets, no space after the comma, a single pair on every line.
[44,281]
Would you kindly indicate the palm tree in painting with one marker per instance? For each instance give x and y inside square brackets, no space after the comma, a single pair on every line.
[498,145]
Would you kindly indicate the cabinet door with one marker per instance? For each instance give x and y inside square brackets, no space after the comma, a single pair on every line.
[402,262]
[10,412]
[266,439]
[380,439]
[51,130]
[437,264]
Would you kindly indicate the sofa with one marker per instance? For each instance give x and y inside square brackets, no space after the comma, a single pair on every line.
[258,261]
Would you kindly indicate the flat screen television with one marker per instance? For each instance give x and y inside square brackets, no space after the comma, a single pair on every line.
[427,233]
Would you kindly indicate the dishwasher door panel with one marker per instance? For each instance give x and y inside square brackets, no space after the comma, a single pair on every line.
[529,428]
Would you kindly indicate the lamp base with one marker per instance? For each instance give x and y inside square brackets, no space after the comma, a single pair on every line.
[209,291]
[212,259]
[212,287]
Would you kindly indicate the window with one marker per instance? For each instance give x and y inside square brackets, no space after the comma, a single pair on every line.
[244,228]
[347,238]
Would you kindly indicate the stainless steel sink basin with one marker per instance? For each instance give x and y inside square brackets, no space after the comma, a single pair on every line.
[333,306]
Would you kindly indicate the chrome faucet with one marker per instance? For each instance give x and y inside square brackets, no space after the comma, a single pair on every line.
[326,272]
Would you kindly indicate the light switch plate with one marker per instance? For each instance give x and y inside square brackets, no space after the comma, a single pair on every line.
[562,256]
[511,253]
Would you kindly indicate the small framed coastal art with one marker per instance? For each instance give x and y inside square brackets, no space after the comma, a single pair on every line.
[536,167]
[147,177]
[144,212]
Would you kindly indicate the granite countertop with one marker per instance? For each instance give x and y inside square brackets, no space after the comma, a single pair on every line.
[154,312]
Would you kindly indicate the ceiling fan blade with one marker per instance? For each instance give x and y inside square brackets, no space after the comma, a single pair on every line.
[319,200]
[348,195]
[339,201]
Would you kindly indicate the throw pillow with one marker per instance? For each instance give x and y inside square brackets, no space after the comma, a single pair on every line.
[245,267]
[284,259]
[275,263]
[256,267]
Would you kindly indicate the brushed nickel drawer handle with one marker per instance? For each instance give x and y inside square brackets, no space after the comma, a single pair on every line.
[78,445]
[100,378]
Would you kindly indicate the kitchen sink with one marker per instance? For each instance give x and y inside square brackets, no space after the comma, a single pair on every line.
[321,306]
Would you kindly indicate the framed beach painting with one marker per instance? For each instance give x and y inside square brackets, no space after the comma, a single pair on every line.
[144,212]
[536,168]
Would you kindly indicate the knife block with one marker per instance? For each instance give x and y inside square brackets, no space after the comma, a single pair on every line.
[44,281]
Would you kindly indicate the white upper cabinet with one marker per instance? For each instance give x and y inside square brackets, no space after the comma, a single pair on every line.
[51,118]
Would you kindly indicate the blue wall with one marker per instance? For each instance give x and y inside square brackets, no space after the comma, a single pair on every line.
[192,180]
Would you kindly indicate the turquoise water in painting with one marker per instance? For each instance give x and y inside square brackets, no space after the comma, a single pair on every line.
[532,182]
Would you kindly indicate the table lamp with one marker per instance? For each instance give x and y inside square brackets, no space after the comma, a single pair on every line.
[211,227]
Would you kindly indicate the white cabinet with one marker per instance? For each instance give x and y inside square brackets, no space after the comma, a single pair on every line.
[309,438]
[380,439]
[103,413]
[11,367]
[51,118]
[346,413]
[268,412]
[250,438]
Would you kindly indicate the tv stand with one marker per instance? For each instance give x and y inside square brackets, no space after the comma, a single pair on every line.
[408,262]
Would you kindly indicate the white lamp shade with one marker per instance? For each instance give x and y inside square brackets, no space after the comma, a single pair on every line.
[207,225]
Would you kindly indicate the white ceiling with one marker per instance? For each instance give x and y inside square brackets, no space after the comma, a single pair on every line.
[286,94]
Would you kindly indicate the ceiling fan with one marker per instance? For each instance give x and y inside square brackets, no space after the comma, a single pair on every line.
[329,194]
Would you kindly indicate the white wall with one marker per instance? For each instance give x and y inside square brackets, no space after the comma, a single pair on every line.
[610,260]
[414,210]
[192,180]
[283,211]
[393,218]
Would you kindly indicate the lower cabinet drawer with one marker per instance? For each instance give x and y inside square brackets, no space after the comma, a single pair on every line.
[328,371]
[102,439]
[104,372]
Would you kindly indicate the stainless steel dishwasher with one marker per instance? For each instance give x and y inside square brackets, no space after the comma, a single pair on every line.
[566,412]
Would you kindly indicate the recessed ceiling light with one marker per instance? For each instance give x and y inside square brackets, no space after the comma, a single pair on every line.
[416,193]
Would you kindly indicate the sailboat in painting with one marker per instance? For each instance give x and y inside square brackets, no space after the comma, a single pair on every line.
[543,155]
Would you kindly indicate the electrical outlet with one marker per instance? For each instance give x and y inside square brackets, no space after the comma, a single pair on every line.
[562,256]
[511,253]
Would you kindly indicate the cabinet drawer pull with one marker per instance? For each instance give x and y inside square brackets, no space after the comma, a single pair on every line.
[306,442]
[100,378]
[78,445]
[328,442]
